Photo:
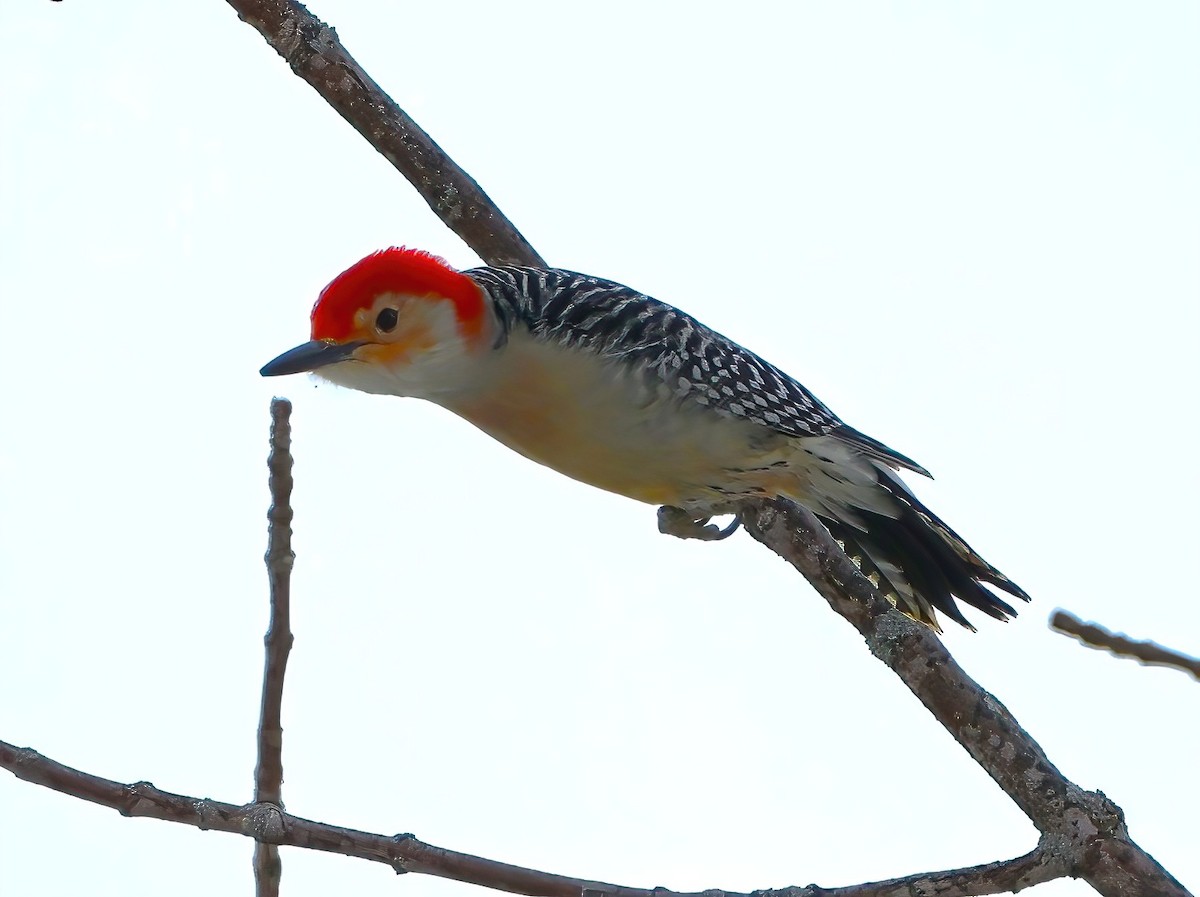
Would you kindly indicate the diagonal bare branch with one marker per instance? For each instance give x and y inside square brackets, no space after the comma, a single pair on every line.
[314,52]
[1146,653]
[1084,825]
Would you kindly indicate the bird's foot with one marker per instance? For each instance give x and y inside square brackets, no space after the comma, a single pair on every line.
[684,525]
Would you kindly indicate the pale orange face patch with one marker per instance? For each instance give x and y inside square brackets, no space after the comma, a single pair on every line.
[409,339]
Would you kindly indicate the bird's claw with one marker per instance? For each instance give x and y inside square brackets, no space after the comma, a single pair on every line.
[683,525]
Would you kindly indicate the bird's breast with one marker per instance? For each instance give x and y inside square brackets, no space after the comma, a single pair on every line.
[603,421]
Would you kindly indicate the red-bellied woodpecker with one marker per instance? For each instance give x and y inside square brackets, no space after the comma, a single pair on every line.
[632,395]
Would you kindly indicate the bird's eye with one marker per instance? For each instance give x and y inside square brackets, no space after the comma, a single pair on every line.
[385,321]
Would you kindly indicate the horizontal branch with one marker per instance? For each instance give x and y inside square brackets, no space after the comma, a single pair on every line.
[314,52]
[1146,653]
[269,824]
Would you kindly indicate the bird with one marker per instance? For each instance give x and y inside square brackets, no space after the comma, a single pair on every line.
[618,390]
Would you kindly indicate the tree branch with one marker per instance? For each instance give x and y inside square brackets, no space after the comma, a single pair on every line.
[314,52]
[1085,826]
[1146,653]
[268,774]
[404,853]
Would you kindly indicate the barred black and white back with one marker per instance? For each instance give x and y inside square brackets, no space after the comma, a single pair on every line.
[842,475]
[617,322]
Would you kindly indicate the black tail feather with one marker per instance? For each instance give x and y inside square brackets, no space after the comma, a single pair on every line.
[935,566]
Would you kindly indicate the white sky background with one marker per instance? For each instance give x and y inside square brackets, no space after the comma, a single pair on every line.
[972,229]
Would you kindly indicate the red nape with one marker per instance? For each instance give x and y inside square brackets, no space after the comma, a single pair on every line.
[409,272]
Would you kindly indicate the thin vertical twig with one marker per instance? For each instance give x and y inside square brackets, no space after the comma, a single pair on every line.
[268,774]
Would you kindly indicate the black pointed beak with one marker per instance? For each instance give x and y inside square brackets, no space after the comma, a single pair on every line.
[309,357]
